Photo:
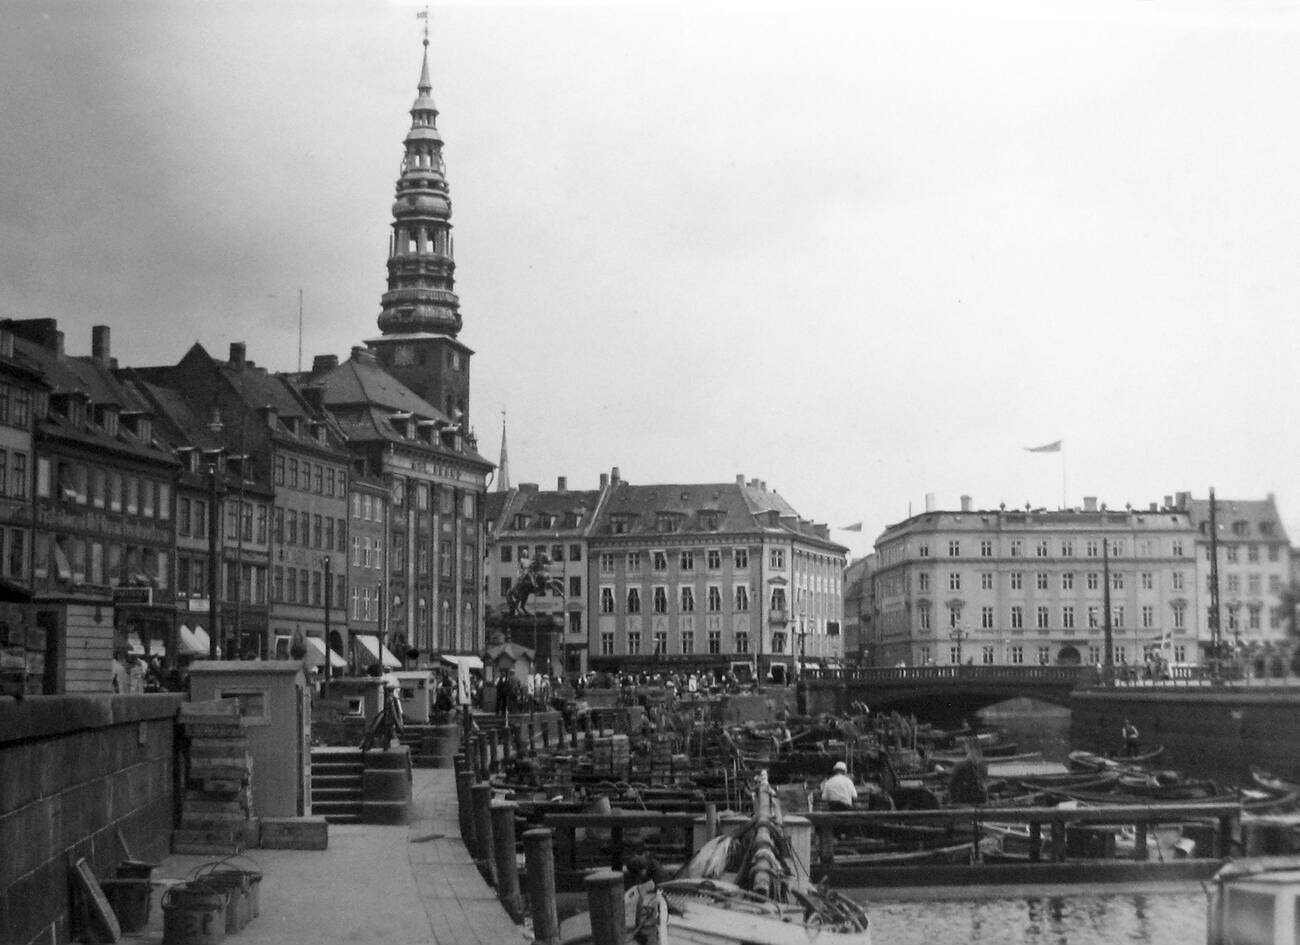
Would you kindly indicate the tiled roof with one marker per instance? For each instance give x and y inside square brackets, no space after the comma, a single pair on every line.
[1239,518]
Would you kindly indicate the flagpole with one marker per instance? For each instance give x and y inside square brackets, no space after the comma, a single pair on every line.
[1064,504]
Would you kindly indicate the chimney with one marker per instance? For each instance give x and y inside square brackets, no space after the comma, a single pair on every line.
[762,484]
[361,353]
[1090,503]
[324,362]
[315,397]
[40,331]
[1169,502]
[268,414]
[613,475]
[753,483]
[237,354]
[929,501]
[99,347]
[965,503]
[740,479]
[604,480]
[562,484]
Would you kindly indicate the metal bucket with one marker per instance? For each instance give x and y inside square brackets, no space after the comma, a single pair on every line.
[194,914]
[130,899]
[239,903]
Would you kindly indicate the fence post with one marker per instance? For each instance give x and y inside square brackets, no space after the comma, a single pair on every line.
[503,848]
[482,798]
[605,906]
[539,864]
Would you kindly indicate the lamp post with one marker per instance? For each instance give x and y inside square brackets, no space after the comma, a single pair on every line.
[214,563]
[325,684]
[958,633]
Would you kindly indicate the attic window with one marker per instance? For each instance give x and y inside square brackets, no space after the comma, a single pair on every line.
[709,520]
[546,520]
[1239,527]
[572,519]
[620,524]
[519,521]
[1266,528]
[667,523]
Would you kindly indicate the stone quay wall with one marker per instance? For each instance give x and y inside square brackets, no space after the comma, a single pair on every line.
[74,771]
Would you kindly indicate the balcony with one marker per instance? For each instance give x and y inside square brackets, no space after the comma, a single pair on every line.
[778,616]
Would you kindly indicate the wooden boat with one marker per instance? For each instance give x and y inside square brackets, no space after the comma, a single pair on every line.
[1255,902]
[957,853]
[1082,781]
[746,886]
[1091,761]
[1166,788]
[1271,782]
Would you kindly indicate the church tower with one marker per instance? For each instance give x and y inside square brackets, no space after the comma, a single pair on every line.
[420,313]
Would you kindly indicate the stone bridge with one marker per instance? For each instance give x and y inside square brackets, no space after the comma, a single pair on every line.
[939,693]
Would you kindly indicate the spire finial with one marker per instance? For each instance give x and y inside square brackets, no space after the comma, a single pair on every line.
[425,84]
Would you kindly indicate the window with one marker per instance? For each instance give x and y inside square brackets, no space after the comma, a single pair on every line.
[742,641]
[688,641]
[1067,581]
[1017,617]
[714,598]
[986,618]
[507,554]
[660,599]
[923,615]
[986,581]
[575,622]
[778,599]
[1040,580]
[954,548]
[575,585]
[1092,548]
[505,586]
[634,600]
[1148,580]
[1234,584]
[1117,616]
[986,655]
[1017,655]
[1148,616]
[1231,554]
[740,558]
[923,581]
[1117,548]
[1093,580]
[778,642]
[1040,618]
[1017,579]
[715,642]
[1017,547]
[954,581]
[1176,580]
[575,552]
[607,563]
[1067,617]
[606,600]
[923,551]
[986,548]
[742,597]
[659,561]
[1177,548]
[557,552]
[1067,549]
[1252,584]
[1180,616]
[687,595]
[687,561]
[607,644]
[714,559]
[634,642]
[661,642]
[1040,550]
[776,559]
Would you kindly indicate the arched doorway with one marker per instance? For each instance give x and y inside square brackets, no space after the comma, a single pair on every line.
[1068,656]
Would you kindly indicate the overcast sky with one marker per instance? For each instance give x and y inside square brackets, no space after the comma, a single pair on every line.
[861,251]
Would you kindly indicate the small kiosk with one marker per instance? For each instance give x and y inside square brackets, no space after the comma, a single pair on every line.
[275,701]
[416,693]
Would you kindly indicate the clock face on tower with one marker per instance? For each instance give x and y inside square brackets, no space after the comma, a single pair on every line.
[404,356]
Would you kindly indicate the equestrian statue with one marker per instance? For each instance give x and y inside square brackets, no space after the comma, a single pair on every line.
[535,579]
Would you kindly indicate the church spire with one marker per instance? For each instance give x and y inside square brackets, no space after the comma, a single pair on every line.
[503,467]
[421,295]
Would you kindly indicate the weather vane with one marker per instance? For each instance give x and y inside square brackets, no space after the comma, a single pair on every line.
[424,15]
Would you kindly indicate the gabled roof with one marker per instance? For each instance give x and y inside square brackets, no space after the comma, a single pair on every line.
[541,507]
[1255,519]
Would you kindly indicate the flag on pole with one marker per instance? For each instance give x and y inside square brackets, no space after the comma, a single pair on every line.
[1054,447]
[422,14]
[855,527]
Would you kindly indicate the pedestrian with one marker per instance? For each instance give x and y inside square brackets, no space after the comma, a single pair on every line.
[1130,733]
[838,791]
[647,905]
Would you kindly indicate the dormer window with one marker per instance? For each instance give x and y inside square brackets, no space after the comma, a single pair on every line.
[520,521]
[138,423]
[666,523]
[106,416]
[292,425]
[709,520]
[572,519]
[546,520]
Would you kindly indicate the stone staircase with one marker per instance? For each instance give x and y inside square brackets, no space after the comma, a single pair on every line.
[336,784]
[431,746]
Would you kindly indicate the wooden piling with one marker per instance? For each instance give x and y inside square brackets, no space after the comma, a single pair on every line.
[710,819]
[484,756]
[464,808]
[482,802]
[605,906]
[539,865]
[494,749]
[503,850]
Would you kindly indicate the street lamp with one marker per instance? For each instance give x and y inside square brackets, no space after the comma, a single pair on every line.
[958,633]
[325,684]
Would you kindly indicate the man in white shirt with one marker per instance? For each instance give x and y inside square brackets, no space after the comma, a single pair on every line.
[838,791]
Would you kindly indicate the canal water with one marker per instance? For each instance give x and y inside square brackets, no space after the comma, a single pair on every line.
[1038,916]
[1163,918]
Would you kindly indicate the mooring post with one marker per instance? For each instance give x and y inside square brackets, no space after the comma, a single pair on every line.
[484,756]
[1035,841]
[482,798]
[503,848]
[1140,842]
[539,865]
[1058,841]
[710,820]
[464,808]
[605,906]
[494,748]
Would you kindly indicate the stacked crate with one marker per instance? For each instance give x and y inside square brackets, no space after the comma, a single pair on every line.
[217,807]
[661,758]
[611,755]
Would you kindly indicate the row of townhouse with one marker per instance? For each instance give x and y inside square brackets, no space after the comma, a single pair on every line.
[1031,586]
[698,577]
[334,505]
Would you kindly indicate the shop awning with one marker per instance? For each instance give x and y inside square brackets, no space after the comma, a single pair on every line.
[370,643]
[194,642]
[316,654]
[471,662]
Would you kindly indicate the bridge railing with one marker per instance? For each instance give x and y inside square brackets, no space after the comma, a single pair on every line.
[1030,675]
